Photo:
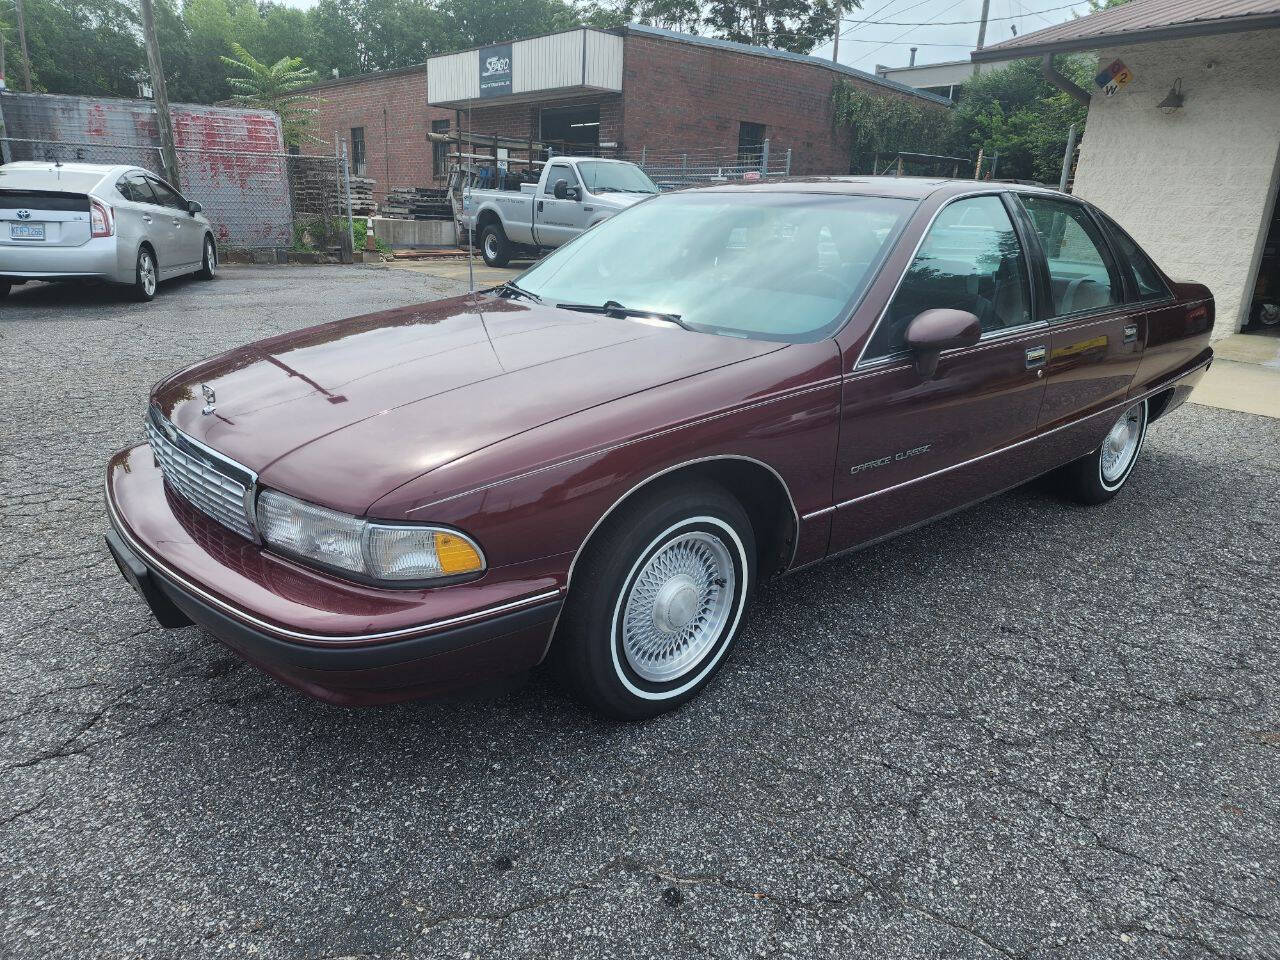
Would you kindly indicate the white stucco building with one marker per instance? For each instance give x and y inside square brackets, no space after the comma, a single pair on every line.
[1185,149]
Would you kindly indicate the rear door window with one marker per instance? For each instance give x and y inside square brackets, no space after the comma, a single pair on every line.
[1082,277]
[139,189]
[971,259]
[1146,278]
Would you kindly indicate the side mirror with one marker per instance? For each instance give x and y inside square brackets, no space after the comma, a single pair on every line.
[561,189]
[193,206]
[936,330]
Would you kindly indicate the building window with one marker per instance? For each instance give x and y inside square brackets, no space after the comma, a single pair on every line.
[439,151]
[357,151]
[750,141]
[571,129]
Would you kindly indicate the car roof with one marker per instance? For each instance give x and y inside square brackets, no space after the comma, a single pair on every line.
[908,188]
[49,174]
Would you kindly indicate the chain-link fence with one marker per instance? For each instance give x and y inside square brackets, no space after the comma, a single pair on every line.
[671,170]
[255,199]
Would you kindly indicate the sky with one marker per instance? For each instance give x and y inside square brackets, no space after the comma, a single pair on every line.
[891,35]
[889,41]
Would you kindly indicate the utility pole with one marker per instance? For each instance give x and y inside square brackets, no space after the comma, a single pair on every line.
[835,44]
[22,44]
[982,29]
[160,94]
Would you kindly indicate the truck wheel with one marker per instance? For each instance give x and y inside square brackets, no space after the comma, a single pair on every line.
[494,246]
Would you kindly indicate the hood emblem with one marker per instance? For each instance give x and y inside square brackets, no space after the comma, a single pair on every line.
[210,398]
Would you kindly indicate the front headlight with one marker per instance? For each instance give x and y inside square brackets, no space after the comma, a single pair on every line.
[379,551]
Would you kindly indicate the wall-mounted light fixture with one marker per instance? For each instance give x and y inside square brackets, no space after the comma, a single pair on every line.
[1174,100]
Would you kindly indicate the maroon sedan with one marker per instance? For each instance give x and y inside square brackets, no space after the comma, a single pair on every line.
[596,464]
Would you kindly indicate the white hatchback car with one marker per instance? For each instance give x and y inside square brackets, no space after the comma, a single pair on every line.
[122,224]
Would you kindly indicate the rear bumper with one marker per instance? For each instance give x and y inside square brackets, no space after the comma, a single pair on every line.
[434,656]
[96,259]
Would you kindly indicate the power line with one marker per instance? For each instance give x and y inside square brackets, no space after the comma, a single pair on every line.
[860,23]
[953,23]
[895,40]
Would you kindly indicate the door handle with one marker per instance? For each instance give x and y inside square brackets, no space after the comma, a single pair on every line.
[1130,332]
[177,224]
[539,206]
[146,218]
[588,209]
[1036,357]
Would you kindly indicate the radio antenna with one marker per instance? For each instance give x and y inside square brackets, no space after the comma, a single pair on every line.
[471,224]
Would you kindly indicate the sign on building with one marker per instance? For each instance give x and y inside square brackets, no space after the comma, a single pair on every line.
[1113,77]
[495,70]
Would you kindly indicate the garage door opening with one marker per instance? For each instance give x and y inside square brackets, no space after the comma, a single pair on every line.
[572,129]
[1264,311]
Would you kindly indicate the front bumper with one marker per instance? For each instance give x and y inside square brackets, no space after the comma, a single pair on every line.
[380,646]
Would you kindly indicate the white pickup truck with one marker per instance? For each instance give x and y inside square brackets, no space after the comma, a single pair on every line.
[572,195]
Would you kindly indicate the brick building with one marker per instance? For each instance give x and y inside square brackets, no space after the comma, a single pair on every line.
[384,119]
[627,92]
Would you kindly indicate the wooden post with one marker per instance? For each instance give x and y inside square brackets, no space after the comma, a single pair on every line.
[977,170]
[160,94]
[22,45]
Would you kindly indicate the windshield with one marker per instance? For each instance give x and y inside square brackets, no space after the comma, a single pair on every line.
[771,266]
[615,177]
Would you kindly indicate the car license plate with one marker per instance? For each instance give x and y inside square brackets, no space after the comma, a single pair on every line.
[26,231]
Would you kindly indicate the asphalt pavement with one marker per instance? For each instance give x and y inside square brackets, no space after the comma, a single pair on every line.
[1028,730]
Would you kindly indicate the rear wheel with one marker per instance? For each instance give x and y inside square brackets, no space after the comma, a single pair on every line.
[494,246]
[209,266]
[1098,477]
[658,601]
[145,276]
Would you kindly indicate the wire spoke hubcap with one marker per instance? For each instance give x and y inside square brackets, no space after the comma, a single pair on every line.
[1121,445]
[678,606]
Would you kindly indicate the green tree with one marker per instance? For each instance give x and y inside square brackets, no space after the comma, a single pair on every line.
[1016,113]
[795,25]
[80,46]
[274,87]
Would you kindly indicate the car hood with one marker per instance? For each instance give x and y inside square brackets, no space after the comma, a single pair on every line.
[345,412]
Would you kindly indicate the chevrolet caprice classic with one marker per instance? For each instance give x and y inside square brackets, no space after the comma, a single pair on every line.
[596,464]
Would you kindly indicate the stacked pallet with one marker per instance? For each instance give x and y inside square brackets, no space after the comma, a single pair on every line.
[417,203]
[362,202]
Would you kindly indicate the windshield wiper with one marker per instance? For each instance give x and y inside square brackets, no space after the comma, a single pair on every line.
[512,287]
[613,308]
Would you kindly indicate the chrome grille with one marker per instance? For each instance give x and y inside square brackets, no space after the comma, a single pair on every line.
[217,487]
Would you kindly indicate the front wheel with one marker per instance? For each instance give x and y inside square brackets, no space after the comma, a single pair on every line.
[1098,476]
[145,276]
[209,265]
[658,601]
[494,246]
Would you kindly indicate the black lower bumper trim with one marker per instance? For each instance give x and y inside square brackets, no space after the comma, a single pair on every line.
[173,606]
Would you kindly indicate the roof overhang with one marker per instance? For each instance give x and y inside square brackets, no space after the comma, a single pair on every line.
[1175,31]
[552,67]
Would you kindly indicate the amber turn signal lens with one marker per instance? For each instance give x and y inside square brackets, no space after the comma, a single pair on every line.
[456,555]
